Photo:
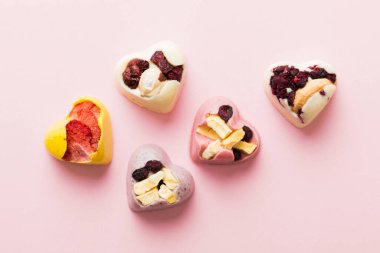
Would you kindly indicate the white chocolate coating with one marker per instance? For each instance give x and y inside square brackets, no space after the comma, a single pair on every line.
[151,93]
[313,106]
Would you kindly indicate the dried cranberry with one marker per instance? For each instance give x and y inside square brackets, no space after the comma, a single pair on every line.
[140,174]
[160,60]
[248,134]
[331,77]
[300,79]
[225,112]
[175,73]
[293,71]
[291,97]
[133,71]
[160,183]
[318,72]
[278,70]
[322,92]
[154,166]
[170,72]
[237,154]
[299,112]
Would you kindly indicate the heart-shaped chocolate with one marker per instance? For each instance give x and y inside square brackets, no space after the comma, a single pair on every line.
[152,78]
[84,136]
[154,182]
[220,135]
[300,92]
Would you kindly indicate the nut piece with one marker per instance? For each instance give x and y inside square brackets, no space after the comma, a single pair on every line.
[246,147]
[234,138]
[212,149]
[311,87]
[218,125]
[208,132]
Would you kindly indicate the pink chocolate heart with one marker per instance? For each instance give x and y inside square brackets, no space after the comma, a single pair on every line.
[199,142]
[183,188]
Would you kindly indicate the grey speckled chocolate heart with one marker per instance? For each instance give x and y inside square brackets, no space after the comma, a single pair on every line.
[182,191]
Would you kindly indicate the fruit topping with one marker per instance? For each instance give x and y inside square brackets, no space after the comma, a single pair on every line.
[225,112]
[233,139]
[246,147]
[140,174]
[218,125]
[133,71]
[248,134]
[237,154]
[208,132]
[169,71]
[82,132]
[313,86]
[287,80]
[154,166]
[158,186]
[212,149]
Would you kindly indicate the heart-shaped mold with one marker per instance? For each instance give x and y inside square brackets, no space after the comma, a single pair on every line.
[220,135]
[154,182]
[153,78]
[300,92]
[84,136]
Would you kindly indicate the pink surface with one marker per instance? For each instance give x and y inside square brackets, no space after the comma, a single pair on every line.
[312,190]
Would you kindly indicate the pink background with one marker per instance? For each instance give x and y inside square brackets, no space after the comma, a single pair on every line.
[312,190]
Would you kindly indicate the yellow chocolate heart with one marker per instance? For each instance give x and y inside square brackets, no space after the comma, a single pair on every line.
[61,139]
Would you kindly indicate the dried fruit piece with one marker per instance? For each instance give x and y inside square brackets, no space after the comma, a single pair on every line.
[248,134]
[154,166]
[133,71]
[225,112]
[140,174]
[170,72]
[237,154]
[312,87]
[82,133]
[246,147]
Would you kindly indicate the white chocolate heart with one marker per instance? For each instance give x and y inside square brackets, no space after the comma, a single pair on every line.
[309,100]
[153,93]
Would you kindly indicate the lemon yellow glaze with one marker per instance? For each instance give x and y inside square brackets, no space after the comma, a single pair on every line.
[55,137]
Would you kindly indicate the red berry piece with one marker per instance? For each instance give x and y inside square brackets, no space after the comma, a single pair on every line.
[278,70]
[154,166]
[170,72]
[140,174]
[175,73]
[225,112]
[237,154]
[133,71]
[248,134]
[162,63]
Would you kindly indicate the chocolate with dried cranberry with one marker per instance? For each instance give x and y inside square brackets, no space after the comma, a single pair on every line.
[307,87]
[153,78]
